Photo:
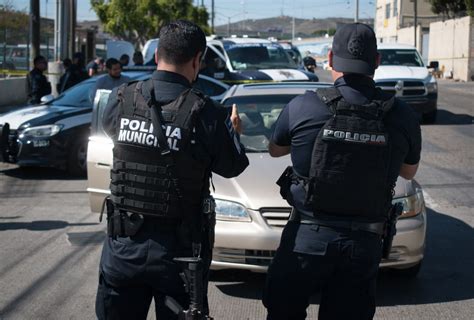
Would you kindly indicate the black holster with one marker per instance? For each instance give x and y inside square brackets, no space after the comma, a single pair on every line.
[285,181]
[121,223]
[391,229]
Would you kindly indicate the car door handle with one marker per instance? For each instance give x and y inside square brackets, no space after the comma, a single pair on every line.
[100,164]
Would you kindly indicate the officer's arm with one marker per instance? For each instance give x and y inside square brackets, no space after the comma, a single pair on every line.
[278,151]
[109,118]
[408,171]
[412,159]
[280,144]
[229,158]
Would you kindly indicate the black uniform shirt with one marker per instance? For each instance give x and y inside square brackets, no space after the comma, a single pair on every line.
[301,120]
[38,86]
[215,135]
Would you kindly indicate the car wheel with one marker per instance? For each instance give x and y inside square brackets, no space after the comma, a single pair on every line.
[77,159]
[408,273]
[430,117]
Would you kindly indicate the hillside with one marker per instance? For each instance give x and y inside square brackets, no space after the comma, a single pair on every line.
[281,27]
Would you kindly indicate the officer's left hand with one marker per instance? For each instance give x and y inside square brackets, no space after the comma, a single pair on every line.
[235,118]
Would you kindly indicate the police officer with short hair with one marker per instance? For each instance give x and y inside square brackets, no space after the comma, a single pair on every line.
[348,145]
[168,139]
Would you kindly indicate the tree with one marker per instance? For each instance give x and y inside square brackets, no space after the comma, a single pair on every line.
[13,24]
[470,7]
[450,8]
[140,20]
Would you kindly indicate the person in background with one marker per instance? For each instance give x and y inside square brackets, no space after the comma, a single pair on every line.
[75,73]
[95,66]
[38,85]
[113,78]
[66,65]
[137,58]
[124,60]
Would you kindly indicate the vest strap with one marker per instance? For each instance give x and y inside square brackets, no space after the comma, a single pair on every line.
[154,207]
[122,176]
[125,165]
[162,196]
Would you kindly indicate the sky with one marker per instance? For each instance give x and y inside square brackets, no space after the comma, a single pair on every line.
[236,10]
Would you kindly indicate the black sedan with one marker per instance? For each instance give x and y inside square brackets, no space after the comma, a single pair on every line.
[55,134]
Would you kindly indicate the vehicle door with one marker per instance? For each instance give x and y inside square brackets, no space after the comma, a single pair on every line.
[216,64]
[99,154]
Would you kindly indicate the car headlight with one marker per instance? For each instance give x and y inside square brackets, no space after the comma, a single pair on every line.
[432,87]
[231,211]
[412,205]
[41,131]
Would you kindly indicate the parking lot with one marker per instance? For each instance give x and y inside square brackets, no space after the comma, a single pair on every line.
[51,243]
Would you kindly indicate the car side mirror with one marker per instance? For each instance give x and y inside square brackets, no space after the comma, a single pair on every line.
[433,65]
[220,64]
[47,98]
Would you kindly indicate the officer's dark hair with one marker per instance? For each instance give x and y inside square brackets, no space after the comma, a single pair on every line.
[38,59]
[180,41]
[111,62]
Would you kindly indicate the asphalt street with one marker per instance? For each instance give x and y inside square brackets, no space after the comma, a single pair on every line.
[51,243]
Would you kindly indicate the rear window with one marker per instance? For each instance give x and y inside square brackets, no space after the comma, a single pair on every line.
[410,58]
[258,115]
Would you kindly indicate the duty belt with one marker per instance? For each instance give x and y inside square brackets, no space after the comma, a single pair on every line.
[373,227]
[154,207]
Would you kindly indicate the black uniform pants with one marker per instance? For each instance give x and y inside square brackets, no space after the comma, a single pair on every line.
[341,264]
[133,270]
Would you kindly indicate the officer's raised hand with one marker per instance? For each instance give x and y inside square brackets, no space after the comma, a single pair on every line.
[235,119]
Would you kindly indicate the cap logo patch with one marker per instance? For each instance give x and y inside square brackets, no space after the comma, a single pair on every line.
[356,47]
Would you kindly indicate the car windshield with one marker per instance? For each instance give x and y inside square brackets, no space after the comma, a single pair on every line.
[254,56]
[392,57]
[78,96]
[258,115]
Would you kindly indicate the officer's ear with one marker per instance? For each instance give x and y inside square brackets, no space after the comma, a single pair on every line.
[330,56]
[156,56]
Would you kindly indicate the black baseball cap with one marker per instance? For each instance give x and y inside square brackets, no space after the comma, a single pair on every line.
[354,49]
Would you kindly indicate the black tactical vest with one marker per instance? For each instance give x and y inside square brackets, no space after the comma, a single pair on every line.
[351,159]
[143,180]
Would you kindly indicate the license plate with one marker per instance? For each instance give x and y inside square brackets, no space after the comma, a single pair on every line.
[41,143]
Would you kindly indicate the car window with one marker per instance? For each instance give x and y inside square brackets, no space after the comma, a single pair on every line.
[258,115]
[78,96]
[209,88]
[409,58]
[254,56]
[100,101]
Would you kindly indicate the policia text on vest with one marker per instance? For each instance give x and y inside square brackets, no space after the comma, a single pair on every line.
[141,132]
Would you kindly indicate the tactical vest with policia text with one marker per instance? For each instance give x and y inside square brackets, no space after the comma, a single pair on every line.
[349,173]
[144,179]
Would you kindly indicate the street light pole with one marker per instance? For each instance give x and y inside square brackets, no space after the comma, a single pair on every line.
[34,29]
[212,17]
[356,17]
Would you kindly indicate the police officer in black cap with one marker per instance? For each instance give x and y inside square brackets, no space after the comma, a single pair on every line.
[348,145]
[168,139]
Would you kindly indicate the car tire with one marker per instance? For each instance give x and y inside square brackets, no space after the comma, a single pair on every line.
[430,118]
[77,158]
[408,273]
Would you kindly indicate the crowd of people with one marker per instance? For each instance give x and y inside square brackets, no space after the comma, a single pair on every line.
[76,70]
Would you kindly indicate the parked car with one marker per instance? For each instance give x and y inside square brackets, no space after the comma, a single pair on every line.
[403,73]
[55,134]
[243,60]
[250,211]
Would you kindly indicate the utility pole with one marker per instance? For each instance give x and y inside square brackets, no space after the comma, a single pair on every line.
[293,29]
[356,17]
[228,27]
[212,17]
[415,19]
[34,29]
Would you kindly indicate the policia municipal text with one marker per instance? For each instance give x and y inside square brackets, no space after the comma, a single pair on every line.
[348,145]
[168,139]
